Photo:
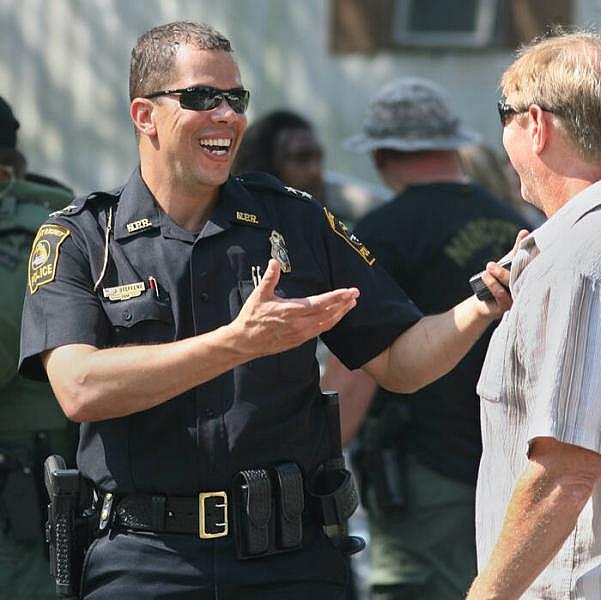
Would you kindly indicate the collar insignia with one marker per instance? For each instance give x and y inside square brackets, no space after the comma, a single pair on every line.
[138,225]
[247,217]
[279,251]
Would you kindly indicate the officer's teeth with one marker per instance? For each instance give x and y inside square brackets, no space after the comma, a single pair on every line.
[220,142]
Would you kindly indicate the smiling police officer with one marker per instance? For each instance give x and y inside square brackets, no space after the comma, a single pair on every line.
[176,319]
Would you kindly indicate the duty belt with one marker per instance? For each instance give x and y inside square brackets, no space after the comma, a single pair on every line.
[205,515]
[264,507]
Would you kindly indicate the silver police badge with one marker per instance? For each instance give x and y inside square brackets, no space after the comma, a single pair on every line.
[279,251]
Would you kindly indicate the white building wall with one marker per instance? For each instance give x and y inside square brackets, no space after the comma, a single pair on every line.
[64,70]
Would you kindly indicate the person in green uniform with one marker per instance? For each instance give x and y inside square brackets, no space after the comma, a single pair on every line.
[31,422]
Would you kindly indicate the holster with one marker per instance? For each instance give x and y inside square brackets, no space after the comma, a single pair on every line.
[269,503]
[380,459]
[71,525]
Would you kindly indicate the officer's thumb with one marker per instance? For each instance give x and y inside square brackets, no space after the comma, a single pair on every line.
[270,279]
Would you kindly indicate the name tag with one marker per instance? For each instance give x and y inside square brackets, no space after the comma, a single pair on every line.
[124,292]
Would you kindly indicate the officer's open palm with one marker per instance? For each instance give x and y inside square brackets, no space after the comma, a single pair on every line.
[270,324]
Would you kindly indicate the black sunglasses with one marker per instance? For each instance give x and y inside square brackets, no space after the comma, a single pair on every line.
[506,110]
[208,98]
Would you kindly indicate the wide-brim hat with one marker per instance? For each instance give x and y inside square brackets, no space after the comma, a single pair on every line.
[409,115]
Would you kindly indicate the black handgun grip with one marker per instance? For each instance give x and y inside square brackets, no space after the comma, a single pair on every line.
[52,464]
[63,489]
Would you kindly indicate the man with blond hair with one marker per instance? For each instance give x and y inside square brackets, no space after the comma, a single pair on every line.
[538,501]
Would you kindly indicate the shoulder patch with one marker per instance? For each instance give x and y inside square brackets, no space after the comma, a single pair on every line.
[44,255]
[340,229]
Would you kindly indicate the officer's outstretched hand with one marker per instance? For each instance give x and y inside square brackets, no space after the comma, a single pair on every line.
[269,324]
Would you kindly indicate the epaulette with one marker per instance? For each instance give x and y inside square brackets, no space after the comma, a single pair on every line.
[265,182]
[79,203]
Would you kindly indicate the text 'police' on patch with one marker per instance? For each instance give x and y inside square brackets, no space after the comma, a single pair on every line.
[44,255]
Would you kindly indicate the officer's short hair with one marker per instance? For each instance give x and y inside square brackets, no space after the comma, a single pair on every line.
[153,56]
[563,74]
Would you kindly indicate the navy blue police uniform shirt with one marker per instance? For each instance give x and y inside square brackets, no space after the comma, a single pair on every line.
[162,283]
[431,238]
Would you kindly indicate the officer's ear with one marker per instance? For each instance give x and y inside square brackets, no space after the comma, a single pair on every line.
[141,112]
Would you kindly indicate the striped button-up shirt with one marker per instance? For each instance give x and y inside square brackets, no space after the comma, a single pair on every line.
[542,377]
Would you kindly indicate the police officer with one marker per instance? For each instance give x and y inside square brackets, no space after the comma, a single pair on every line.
[31,423]
[176,319]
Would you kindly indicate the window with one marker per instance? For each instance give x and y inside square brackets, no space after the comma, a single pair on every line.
[375,25]
[433,23]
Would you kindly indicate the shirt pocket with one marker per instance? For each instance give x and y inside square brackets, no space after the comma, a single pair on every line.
[492,385]
[141,320]
[296,364]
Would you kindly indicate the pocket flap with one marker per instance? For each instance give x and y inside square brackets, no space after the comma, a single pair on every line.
[146,307]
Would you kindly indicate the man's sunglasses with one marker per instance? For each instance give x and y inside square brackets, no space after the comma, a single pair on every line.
[506,110]
[208,98]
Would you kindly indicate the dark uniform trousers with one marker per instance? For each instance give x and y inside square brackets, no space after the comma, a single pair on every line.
[178,567]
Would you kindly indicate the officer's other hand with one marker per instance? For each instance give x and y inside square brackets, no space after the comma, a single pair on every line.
[269,324]
[497,279]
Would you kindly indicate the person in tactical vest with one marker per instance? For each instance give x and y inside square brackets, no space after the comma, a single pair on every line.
[31,422]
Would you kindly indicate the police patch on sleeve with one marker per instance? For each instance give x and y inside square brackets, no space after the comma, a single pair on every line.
[44,255]
[343,231]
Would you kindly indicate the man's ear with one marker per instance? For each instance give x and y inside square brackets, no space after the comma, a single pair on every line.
[539,127]
[141,112]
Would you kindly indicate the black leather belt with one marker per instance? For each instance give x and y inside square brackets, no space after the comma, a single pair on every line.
[205,515]
[265,509]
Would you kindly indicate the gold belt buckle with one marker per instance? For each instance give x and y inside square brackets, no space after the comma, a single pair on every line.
[202,498]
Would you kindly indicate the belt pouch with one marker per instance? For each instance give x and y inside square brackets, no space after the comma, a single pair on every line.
[290,504]
[253,512]
[336,495]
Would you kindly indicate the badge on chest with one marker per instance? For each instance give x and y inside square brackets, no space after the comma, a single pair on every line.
[279,251]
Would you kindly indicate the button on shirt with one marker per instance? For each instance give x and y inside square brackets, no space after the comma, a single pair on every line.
[266,411]
[542,378]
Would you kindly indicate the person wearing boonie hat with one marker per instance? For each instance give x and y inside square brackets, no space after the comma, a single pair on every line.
[410,115]
[417,455]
